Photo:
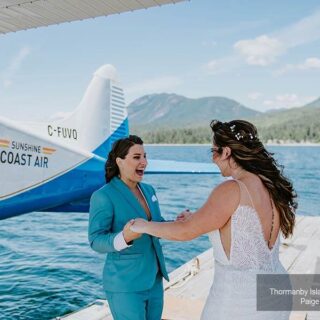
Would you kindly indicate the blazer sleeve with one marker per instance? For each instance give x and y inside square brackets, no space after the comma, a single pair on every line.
[100,222]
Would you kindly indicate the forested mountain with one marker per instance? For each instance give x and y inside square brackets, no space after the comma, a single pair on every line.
[174,111]
[170,118]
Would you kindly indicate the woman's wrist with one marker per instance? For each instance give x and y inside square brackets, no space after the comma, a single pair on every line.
[147,226]
[126,237]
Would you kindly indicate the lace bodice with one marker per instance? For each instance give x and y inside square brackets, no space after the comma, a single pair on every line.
[249,249]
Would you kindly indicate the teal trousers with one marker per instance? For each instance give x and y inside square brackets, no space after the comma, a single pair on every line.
[142,305]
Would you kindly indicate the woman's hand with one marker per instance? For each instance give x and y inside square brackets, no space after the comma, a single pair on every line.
[139,225]
[128,234]
[183,216]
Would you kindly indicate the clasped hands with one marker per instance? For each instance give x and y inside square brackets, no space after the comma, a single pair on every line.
[136,227]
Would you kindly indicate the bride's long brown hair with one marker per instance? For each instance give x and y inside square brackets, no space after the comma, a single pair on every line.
[249,153]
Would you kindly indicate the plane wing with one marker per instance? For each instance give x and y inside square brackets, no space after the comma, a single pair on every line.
[177,167]
[21,14]
[154,167]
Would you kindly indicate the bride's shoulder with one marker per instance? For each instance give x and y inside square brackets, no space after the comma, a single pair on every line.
[228,186]
[226,193]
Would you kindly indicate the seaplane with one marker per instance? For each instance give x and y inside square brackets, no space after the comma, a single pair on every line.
[56,165]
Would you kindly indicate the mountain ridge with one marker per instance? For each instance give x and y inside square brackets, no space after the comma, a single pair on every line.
[172,110]
[177,119]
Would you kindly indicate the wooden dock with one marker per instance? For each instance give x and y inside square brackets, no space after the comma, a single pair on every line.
[186,293]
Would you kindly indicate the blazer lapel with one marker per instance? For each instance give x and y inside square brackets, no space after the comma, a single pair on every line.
[150,198]
[128,195]
[147,198]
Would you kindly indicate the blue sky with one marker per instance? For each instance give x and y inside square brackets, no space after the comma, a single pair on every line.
[264,54]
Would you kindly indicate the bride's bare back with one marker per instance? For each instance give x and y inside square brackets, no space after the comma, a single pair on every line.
[252,193]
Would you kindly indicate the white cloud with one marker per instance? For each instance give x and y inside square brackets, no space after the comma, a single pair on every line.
[287,100]
[309,64]
[7,83]
[18,59]
[216,66]
[261,51]
[254,95]
[269,103]
[155,85]
[14,66]
[304,31]
[212,65]
[265,49]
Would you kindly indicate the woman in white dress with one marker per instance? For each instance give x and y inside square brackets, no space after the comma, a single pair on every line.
[243,217]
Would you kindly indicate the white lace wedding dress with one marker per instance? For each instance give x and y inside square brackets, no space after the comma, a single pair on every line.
[233,292]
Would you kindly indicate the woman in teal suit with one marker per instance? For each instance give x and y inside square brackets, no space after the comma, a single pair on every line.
[134,265]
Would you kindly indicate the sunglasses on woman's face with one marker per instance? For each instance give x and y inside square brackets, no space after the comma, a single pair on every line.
[215,150]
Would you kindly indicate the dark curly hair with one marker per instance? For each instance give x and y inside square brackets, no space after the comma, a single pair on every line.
[120,148]
[249,153]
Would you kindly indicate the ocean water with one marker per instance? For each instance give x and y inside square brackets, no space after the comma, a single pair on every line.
[47,268]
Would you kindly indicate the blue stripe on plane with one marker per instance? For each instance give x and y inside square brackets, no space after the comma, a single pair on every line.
[105,147]
[77,184]
[84,179]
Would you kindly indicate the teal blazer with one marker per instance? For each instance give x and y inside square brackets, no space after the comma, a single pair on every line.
[134,268]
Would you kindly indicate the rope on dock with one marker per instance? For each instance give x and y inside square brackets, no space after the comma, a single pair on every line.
[192,270]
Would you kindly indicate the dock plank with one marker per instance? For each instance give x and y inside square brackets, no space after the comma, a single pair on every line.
[292,248]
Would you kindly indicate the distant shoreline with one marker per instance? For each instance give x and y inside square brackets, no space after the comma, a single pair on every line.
[294,144]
